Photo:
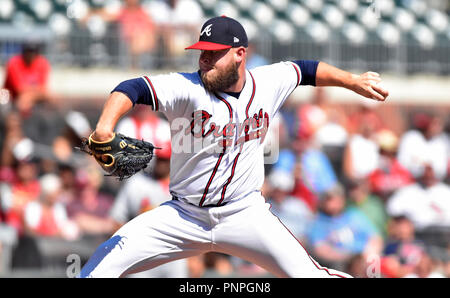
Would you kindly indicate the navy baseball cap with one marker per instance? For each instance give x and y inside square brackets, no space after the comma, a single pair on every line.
[220,33]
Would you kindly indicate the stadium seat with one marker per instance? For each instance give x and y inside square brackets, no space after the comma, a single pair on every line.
[368,18]
[388,33]
[96,26]
[315,6]
[251,28]
[418,7]
[318,31]
[423,35]
[333,16]
[243,4]
[208,4]
[279,5]
[385,7]
[282,31]
[404,19]
[6,9]
[59,24]
[298,15]
[226,8]
[41,9]
[348,6]
[262,13]
[437,20]
[77,9]
[354,32]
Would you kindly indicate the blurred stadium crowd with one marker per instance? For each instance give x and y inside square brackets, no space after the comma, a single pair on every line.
[365,187]
[389,35]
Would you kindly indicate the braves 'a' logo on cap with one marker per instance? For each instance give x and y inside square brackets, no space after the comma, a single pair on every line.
[228,33]
[206,30]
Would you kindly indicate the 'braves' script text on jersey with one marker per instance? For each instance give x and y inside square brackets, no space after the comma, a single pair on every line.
[217,151]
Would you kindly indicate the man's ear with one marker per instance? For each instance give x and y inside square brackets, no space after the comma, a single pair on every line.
[240,54]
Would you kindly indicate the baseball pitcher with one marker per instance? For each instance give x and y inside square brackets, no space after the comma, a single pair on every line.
[219,117]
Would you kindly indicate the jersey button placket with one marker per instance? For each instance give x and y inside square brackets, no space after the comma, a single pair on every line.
[214,220]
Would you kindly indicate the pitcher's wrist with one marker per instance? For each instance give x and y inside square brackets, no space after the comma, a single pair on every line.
[102,134]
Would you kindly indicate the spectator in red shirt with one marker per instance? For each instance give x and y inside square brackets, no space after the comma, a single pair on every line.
[390,174]
[136,28]
[366,113]
[302,191]
[24,188]
[311,116]
[26,78]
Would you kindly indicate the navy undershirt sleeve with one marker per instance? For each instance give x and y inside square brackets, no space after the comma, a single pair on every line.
[137,90]
[308,69]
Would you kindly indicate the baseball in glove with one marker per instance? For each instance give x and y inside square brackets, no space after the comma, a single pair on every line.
[120,156]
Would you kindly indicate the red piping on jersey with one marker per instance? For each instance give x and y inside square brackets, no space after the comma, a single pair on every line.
[252,96]
[229,179]
[235,159]
[247,127]
[298,74]
[230,111]
[246,131]
[237,156]
[205,192]
[155,97]
[312,260]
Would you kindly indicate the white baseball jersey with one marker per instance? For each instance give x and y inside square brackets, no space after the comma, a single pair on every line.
[217,152]
[217,158]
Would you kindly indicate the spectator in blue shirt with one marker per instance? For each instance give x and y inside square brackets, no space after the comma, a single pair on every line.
[317,170]
[337,233]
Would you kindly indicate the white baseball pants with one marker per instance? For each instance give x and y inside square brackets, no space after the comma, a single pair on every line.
[245,228]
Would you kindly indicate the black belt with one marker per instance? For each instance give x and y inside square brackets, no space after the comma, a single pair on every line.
[203,206]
